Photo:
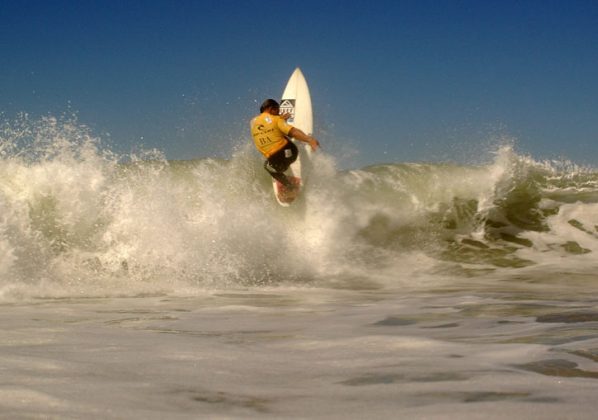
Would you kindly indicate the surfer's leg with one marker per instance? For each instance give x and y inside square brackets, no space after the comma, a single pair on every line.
[280,161]
[277,175]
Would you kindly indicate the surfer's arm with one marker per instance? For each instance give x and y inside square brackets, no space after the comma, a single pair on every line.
[301,136]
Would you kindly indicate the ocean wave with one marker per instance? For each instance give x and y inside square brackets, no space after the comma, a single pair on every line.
[78,220]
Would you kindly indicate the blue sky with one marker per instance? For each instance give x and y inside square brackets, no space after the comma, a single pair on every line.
[391,81]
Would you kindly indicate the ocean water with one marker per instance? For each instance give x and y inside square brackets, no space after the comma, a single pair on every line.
[137,287]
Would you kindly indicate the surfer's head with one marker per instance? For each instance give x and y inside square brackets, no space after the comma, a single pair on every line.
[271,106]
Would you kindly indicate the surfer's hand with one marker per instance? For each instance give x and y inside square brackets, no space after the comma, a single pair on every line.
[286,116]
[315,144]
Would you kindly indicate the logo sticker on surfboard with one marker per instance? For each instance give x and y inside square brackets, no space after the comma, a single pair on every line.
[287,106]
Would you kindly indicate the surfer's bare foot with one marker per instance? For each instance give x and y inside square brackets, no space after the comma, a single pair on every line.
[289,192]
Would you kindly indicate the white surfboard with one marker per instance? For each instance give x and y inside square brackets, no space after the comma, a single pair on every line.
[296,100]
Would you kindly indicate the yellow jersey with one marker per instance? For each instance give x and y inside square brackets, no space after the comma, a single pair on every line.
[268,132]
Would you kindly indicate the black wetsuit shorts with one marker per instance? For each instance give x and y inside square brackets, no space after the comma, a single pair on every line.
[280,162]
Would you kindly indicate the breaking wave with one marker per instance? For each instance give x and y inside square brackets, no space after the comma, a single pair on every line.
[78,220]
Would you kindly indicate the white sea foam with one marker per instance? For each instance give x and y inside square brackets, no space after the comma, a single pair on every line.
[78,220]
[135,287]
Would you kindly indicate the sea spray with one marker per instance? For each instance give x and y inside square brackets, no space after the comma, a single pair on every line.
[78,220]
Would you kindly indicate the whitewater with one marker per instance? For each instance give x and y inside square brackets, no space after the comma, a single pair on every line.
[138,287]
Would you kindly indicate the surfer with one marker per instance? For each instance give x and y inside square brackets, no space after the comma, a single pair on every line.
[271,132]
